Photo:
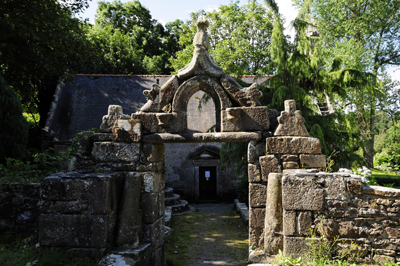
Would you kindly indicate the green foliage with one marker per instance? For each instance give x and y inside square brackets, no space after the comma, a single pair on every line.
[78,138]
[299,75]
[14,128]
[37,166]
[20,251]
[366,46]
[283,260]
[40,42]
[239,38]
[390,154]
[127,40]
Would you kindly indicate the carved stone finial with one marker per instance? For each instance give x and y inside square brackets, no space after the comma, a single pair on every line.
[244,96]
[291,123]
[202,63]
[201,37]
[114,112]
[158,97]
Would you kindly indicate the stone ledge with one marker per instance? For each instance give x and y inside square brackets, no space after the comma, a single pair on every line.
[293,145]
[382,191]
[202,137]
[242,209]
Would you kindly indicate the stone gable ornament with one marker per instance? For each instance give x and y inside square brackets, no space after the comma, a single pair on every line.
[158,97]
[202,63]
[291,123]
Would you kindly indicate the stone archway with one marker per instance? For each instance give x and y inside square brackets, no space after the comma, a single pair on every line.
[209,86]
[124,208]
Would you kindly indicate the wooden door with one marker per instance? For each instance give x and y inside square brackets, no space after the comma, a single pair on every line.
[208,183]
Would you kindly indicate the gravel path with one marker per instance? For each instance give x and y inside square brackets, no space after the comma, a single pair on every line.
[221,237]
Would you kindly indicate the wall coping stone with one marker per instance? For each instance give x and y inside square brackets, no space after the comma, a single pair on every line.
[382,191]
[202,137]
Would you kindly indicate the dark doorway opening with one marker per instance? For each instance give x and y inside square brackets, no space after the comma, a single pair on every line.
[208,183]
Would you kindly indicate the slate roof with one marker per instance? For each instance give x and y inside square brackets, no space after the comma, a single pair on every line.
[81,103]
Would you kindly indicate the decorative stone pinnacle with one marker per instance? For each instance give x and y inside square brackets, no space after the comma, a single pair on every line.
[291,123]
[201,37]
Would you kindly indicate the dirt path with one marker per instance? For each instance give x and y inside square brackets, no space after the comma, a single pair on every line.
[212,235]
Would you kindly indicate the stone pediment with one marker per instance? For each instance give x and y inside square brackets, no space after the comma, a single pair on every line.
[205,153]
[200,65]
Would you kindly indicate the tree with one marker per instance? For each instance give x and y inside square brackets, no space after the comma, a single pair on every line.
[14,128]
[365,34]
[299,74]
[128,40]
[40,42]
[239,38]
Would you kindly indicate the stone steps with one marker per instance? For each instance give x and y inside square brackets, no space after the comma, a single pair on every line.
[175,202]
[171,201]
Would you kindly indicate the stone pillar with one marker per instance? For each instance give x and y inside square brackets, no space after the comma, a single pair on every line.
[257,195]
[153,199]
[273,239]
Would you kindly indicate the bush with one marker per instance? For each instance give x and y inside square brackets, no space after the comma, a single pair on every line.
[14,128]
[34,169]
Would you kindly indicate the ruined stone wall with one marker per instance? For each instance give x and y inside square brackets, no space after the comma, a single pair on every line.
[273,155]
[340,206]
[18,207]
[113,199]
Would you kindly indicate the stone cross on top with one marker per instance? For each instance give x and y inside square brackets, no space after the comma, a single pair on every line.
[291,123]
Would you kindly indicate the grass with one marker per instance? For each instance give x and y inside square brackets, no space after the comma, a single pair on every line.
[18,250]
[207,235]
[386,178]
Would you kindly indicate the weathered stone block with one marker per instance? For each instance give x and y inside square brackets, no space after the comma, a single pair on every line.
[157,257]
[130,218]
[294,246]
[149,205]
[104,192]
[152,182]
[313,160]
[154,233]
[257,195]
[302,193]
[64,187]
[289,158]
[161,202]
[298,246]
[290,165]
[127,130]
[256,217]
[335,188]
[68,207]
[152,153]
[273,219]
[382,191]
[269,164]
[304,223]
[116,152]
[168,123]
[256,237]
[291,123]
[289,223]
[251,152]
[254,172]
[393,232]
[293,145]
[60,230]
[354,185]
[237,119]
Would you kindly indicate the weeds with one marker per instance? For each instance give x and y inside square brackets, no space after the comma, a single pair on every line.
[21,251]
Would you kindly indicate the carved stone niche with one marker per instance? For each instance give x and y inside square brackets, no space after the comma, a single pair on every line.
[238,119]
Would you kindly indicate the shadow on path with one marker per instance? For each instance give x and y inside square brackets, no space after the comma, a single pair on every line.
[212,235]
